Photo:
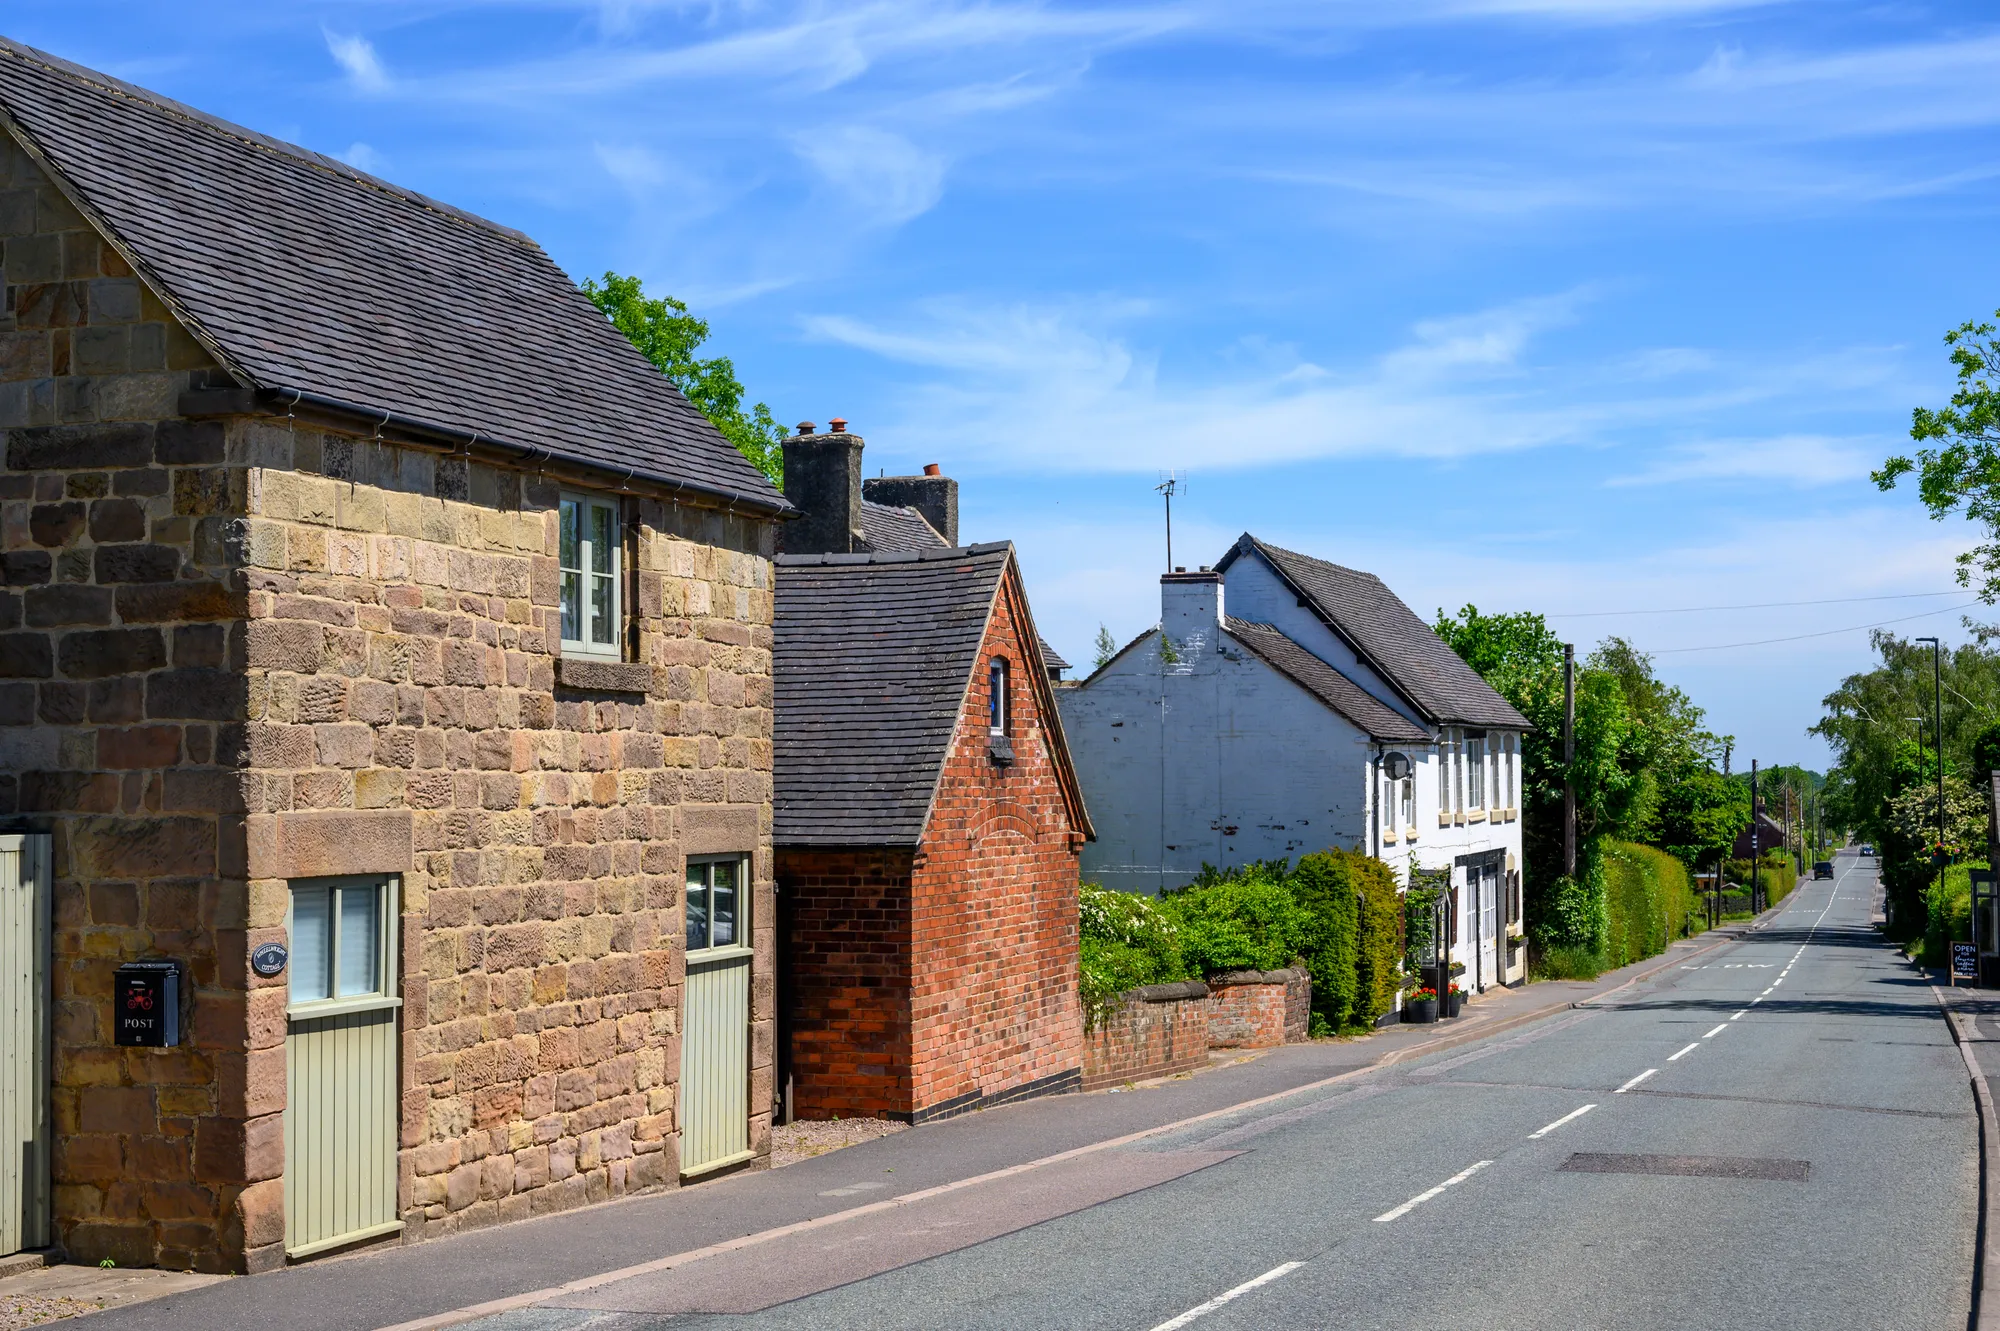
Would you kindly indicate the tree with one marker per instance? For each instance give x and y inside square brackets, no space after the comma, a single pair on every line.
[1106,647]
[1963,471]
[1701,816]
[667,335]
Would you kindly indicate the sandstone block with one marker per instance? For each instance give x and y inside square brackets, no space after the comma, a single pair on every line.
[310,845]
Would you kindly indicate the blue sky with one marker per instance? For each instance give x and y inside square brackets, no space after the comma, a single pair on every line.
[1564,305]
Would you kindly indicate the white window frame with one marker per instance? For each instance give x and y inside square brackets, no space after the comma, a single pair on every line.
[587,643]
[1409,794]
[388,927]
[1475,773]
[741,943]
[999,697]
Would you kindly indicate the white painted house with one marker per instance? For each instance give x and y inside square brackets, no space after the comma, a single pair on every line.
[1313,709]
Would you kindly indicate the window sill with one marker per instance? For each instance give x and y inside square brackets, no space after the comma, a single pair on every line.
[582,672]
[340,1007]
[1390,838]
[1477,816]
[1444,820]
[708,955]
[1001,750]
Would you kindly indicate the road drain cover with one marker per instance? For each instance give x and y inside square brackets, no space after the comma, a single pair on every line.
[1691,1166]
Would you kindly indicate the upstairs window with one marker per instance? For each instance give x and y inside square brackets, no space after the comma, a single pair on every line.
[996,697]
[1475,770]
[1409,801]
[589,562]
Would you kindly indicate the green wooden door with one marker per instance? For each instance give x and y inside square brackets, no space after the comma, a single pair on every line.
[25,943]
[715,1018]
[341,1065]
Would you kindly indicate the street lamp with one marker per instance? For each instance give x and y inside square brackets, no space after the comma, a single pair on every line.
[1937,738]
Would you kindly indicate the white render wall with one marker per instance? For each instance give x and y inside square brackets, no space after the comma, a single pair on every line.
[1215,757]
[1250,766]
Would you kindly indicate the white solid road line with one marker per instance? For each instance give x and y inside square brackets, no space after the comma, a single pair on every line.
[1422,1197]
[1574,1113]
[1635,1081]
[1717,1031]
[1690,1049]
[1203,1309]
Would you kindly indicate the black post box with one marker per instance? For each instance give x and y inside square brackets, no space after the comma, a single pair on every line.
[146,1003]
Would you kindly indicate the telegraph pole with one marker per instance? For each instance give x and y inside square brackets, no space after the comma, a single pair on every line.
[1756,871]
[1937,738]
[1569,759]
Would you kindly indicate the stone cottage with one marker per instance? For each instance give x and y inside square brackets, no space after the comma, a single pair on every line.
[366,595]
[927,820]
[1286,704]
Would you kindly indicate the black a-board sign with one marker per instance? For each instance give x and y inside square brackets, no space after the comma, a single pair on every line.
[146,1003]
[1964,961]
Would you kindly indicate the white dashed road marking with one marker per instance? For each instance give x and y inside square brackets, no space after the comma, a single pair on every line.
[1417,1200]
[1574,1113]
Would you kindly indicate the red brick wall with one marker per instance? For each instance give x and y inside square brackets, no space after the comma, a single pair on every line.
[847,999]
[1135,1041]
[994,998]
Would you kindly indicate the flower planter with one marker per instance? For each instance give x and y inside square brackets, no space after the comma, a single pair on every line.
[1452,1003]
[1423,1011]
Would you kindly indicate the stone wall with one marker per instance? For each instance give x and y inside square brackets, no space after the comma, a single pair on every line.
[408,711]
[1259,1009]
[119,711]
[1154,1031]
[236,652]
[994,1003]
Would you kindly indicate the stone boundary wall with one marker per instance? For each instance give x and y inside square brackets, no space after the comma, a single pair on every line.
[1154,1031]
[1259,1009]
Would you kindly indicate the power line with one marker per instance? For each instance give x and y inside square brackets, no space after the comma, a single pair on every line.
[1759,605]
[1823,633]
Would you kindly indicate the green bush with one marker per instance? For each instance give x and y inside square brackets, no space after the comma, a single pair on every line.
[1947,914]
[1648,900]
[1124,941]
[1247,920]
[1354,938]
[1564,963]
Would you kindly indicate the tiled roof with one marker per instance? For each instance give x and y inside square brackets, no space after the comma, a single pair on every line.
[872,658]
[1050,656]
[305,274]
[889,527]
[1376,719]
[1389,637]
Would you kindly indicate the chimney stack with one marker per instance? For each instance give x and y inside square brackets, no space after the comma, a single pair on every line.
[932,494]
[1191,607]
[823,481]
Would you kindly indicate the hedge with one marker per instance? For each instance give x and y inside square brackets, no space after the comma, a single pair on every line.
[1948,913]
[1338,914]
[1648,901]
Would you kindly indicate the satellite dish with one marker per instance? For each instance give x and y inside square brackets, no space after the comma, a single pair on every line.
[1396,765]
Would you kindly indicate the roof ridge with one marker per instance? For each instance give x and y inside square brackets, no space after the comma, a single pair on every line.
[118,87]
[931,555]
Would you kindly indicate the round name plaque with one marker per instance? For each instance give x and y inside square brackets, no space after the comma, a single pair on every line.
[269,959]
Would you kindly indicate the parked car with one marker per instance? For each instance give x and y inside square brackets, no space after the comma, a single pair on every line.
[1823,869]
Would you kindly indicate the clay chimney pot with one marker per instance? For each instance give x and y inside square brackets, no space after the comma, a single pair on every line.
[837,425]
[807,427]
[932,469]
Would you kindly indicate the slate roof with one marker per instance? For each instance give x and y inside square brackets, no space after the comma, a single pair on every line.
[891,527]
[1375,718]
[872,657]
[871,660]
[1387,635]
[304,274]
[1050,656]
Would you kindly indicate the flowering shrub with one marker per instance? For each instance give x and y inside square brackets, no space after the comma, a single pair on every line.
[1421,996]
[1125,941]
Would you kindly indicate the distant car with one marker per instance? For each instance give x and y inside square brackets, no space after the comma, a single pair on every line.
[1868,850]
[1823,869]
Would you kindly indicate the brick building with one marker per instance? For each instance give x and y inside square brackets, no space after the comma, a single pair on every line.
[928,823]
[365,594]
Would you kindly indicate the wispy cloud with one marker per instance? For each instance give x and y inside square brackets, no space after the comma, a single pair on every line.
[361,157]
[1794,460]
[357,56]
[881,172]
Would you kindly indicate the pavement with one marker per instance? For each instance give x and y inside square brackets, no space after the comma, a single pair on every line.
[1795,1141]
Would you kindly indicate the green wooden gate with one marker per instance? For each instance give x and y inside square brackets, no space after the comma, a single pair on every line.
[341,1065]
[715,1061]
[25,946]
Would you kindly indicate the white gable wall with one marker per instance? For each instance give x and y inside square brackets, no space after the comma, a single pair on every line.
[1247,765]
[1258,594]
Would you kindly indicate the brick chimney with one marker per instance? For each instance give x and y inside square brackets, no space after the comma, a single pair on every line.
[932,494]
[823,480]
[1191,610]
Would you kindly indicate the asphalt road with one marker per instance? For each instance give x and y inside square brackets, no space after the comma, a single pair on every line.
[1776,1134]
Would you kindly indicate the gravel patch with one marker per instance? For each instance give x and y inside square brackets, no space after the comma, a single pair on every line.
[25,1310]
[802,1141]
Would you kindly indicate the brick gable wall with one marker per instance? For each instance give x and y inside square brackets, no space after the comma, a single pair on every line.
[994,996]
